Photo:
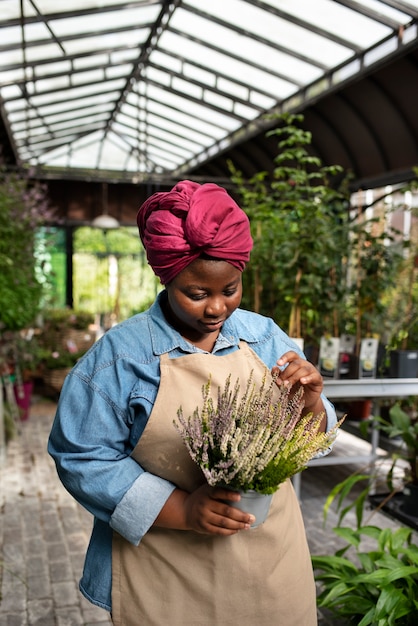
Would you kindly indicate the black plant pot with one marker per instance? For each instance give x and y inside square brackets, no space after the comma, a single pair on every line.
[403,364]
[395,506]
[409,505]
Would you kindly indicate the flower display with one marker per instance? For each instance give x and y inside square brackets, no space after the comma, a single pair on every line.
[256,442]
[62,359]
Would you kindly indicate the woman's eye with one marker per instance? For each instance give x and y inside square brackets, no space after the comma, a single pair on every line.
[197,296]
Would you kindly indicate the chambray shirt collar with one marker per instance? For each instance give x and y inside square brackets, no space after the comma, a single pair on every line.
[165,338]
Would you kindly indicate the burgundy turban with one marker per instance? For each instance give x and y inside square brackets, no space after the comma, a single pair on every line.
[177,226]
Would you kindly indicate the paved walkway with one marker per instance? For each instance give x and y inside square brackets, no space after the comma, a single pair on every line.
[44,532]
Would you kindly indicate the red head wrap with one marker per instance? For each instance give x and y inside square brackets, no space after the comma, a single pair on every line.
[177,226]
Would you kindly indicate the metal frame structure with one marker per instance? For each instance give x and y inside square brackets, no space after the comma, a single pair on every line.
[152,90]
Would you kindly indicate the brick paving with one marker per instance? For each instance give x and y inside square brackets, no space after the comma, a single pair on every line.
[44,532]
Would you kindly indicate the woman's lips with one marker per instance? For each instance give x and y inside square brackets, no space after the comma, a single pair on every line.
[213,325]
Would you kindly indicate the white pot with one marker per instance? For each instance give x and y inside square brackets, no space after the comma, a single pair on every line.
[258,504]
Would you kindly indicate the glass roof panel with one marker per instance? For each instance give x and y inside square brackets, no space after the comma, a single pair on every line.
[258,76]
[333,17]
[148,86]
[271,29]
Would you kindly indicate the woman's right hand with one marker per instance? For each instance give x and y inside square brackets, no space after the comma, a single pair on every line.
[204,511]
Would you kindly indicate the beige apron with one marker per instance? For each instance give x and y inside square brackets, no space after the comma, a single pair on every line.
[261,576]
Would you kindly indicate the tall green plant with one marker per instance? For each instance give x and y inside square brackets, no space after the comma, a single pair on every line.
[23,207]
[402,310]
[299,222]
[375,255]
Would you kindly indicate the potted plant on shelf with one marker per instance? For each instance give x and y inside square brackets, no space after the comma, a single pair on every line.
[24,209]
[402,348]
[67,334]
[65,326]
[300,219]
[21,356]
[252,443]
[57,364]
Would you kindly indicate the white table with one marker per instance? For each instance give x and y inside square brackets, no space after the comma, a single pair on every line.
[376,389]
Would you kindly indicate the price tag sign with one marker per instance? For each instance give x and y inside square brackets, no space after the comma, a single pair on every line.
[368,358]
[329,351]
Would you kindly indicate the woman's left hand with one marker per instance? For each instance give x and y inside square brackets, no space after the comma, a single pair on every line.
[292,370]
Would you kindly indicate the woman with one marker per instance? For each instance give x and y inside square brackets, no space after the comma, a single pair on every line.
[165,547]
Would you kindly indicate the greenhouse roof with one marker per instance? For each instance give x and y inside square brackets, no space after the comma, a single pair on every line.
[148,89]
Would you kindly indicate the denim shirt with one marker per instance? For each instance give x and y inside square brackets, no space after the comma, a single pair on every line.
[103,409]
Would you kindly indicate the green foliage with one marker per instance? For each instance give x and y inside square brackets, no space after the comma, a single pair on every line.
[299,222]
[402,300]
[20,352]
[9,423]
[60,348]
[373,272]
[23,208]
[403,424]
[378,587]
[61,359]
[65,318]
[320,266]
[134,285]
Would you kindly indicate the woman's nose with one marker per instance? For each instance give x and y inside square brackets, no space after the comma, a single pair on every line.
[215,307]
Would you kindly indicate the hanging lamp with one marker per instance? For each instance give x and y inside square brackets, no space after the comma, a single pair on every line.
[105,221]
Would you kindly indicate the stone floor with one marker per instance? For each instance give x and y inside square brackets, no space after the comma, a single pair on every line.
[44,532]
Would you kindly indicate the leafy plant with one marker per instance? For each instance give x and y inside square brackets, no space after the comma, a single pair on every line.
[373,271]
[252,443]
[23,208]
[20,352]
[320,266]
[375,587]
[299,221]
[9,423]
[403,424]
[402,301]
[65,318]
[63,359]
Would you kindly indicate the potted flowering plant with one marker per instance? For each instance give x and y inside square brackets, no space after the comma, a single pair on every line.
[67,335]
[58,363]
[255,443]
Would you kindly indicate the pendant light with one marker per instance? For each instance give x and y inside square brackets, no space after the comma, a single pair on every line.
[105,221]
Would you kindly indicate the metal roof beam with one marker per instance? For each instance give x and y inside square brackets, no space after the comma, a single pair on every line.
[296,102]
[246,33]
[48,17]
[377,15]
[286,77]
[204,87]
[68,57]
[227,77]
[33,80]
[342,41]
[167,10]
[190,98]
[171,132]
[64,38]
[405,7]
[140,134]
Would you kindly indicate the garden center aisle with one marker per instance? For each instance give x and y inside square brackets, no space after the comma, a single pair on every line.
[44,532]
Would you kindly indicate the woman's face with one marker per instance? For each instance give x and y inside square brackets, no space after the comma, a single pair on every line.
[202,297]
